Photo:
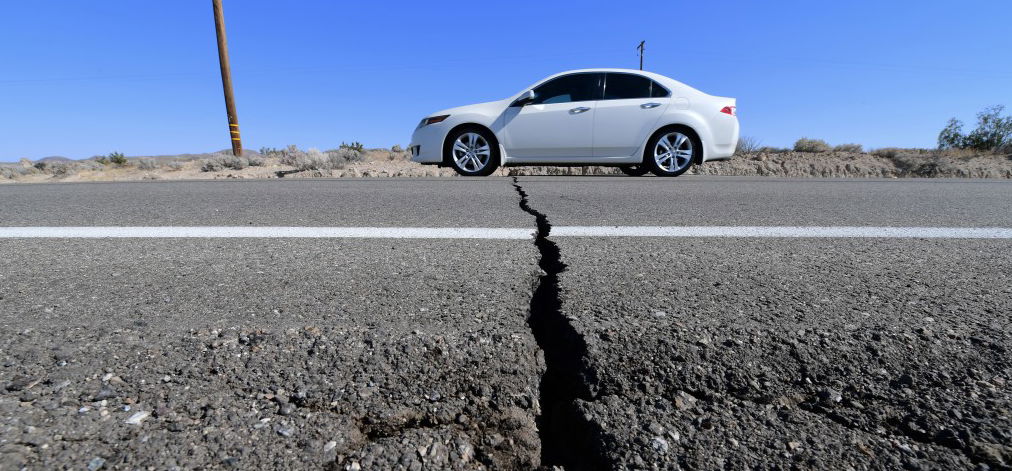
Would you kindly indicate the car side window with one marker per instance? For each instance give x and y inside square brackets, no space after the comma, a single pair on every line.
[623,86]
[658,91]
[568,88]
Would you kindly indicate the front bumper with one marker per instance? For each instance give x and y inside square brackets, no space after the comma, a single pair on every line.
[427,144]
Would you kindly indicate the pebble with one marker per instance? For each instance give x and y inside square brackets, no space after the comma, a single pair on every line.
[329,446]
[659,444]
[284,431]
[830,396]
[95,463]
[138,417]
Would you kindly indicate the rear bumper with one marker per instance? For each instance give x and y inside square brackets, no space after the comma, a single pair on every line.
[427,144]
[724,138]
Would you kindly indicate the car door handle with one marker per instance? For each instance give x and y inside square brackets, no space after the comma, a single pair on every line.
[579,110]
[648,106]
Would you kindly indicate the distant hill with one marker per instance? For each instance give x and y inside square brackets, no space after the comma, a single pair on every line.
[54,158]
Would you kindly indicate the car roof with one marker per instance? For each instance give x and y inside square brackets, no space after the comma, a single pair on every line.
[663,80]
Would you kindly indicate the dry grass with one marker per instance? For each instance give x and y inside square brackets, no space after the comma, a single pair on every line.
[811,145]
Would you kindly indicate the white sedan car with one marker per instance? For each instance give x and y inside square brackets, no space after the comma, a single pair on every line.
[638,121]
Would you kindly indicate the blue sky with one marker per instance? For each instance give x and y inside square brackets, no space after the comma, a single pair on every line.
[86,78]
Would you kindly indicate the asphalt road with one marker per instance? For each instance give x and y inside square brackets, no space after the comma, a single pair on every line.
[586,352]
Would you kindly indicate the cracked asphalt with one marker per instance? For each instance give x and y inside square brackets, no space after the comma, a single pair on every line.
[581,352]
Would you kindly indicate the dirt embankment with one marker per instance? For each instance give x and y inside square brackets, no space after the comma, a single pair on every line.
[388,163]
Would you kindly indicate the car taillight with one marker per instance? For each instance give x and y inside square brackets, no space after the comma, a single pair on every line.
[731,110]
[434,119]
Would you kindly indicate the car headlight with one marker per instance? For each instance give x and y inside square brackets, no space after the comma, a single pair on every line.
[433,120]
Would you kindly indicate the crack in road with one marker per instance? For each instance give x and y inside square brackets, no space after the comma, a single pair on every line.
[567,438]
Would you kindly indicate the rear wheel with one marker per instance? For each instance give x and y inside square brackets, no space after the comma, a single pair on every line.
[634,170]
[671,152]
[472,152]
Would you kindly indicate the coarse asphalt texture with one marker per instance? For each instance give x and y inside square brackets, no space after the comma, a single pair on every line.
[579,352]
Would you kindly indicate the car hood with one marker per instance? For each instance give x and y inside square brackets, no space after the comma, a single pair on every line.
[487,108]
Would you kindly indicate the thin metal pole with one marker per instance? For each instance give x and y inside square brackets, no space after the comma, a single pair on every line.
[641,48]
[226,78]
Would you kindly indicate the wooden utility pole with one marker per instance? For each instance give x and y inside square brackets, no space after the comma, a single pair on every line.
[226,78]
[641,48]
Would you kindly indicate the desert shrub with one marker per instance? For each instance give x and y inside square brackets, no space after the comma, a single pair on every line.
[255,160]
[13,172]
[89,165]
[887,152]
[857,148]
[271,151]
[117,158]
[773,150]
[397,148]
[993,132]
[923,165]
[314,159]
[747,145]
[101,159]
[58,168]
[810,145]
[147,164]
[175,165]
[356,146]
[25,163]
[221,161]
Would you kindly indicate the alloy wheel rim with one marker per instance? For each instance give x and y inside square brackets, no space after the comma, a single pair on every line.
[471,152]
[673,152]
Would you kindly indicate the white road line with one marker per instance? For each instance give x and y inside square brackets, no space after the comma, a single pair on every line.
[98,232]
[784,231]
[93,232]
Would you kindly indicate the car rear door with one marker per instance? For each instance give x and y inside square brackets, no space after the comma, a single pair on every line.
[559,124]
[627,113]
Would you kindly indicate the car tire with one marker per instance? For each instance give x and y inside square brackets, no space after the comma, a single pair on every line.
[472,152]
[672,151]
[634,170]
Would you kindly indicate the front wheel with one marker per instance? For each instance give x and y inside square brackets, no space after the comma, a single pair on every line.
[472,152]
[671,152]
[634,170]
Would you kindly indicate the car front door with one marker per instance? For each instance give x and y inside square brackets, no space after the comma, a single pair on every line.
[558,124]
[628,112]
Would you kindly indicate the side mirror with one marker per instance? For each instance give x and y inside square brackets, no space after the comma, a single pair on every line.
[524,98]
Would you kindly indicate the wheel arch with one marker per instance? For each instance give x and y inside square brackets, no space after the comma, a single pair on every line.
[696,160]
[468,125]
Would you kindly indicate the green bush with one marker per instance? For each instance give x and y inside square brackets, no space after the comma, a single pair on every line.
[117,158]
[993,132]
[355,146]
[811,145]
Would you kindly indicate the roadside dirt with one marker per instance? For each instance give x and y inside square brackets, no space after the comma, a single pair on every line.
[383,163]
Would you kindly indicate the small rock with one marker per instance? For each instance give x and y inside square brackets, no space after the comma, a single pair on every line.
[904,381]
[138,417]
[284,431]
[286,408]
[329,446]
[793,445]
[659,444]
[95,464]
[830,396]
